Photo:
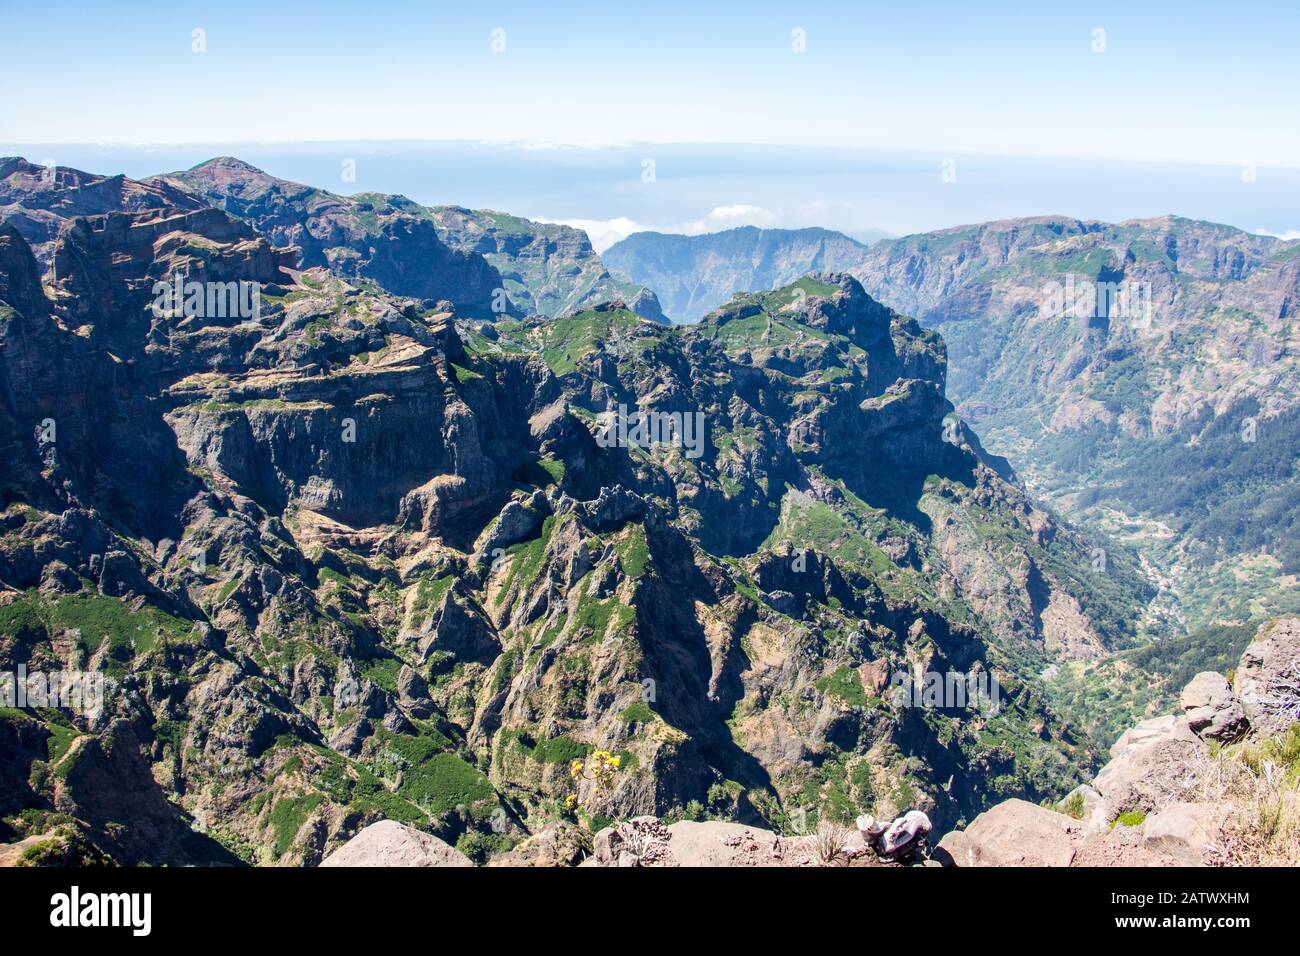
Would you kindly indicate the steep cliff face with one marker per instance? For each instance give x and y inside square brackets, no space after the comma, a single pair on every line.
[352,558]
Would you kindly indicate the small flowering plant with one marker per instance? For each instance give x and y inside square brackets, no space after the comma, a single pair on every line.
[599,766]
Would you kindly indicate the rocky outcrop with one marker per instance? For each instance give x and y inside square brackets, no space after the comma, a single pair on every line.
[390,844]
[1161,799]
[1268,675]
[549,269]
[388,240]
[1014,833]
[38,200]
[1212,709]
[647,842]
[556,844]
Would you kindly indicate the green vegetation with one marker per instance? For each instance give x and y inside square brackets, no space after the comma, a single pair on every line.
[1129,818]
[1072,806]
[596,614]
[634,552]
[638,712]
[559,749]
[96,618]
[433,778]
[529,557]
[287,817]
[464,375]
[846,684]
[566,340]
[429,593]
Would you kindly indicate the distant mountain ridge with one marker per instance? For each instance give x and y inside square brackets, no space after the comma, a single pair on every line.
[423,251]
[692,275]
[1172,405]
[1193,341]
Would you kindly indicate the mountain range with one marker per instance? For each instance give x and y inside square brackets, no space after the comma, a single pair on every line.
[1156,404]
[383,549]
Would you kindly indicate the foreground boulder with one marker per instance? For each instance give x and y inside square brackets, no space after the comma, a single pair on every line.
[1186,830]
[1147,764]
[391,844]
[1014,833]
[1212,709]
[556,844]
[645,841]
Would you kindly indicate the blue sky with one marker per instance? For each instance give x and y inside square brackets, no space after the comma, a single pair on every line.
[849,134]
[1184,82]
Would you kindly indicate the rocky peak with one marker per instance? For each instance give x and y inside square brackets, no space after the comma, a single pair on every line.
[38,201]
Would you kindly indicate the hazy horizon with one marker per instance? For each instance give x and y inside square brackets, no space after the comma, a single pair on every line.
[614,190]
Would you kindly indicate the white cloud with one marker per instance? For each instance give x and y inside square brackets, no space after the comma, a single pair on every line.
[1286,235]
[605,232]
[730,217]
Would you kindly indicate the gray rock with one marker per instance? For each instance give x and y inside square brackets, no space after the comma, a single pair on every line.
[1212,710]
[461,631]
[348,740]
[413,692]
[1014,833]
[1269,663]
[556,844]
[387,843]
[515,523]
[1147,764]
[612,507]
[1207,689]
[1186,831]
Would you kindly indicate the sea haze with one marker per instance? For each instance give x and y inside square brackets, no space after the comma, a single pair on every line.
[612,189]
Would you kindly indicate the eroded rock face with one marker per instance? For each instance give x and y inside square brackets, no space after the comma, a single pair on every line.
[1268,676]
[1212,709]
[550,269]
[1186,830]
[38,200]
[647,842]
[1146,764]
[556,844]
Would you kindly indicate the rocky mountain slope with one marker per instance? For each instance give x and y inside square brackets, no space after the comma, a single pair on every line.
[1139,375]
[37,200]
[448,252]
[549,268]
[355,558]
[1142,376]
[693,275]
[1216,784]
